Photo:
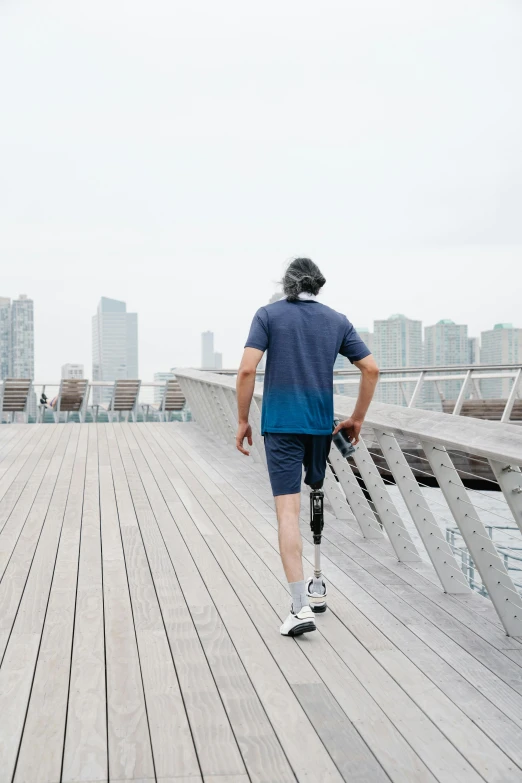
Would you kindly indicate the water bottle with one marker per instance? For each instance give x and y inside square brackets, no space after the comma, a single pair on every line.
[342,442]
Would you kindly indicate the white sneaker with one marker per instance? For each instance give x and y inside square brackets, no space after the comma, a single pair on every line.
[317,601]
[296,624]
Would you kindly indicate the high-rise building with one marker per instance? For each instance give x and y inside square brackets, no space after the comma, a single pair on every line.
[162,377]
[207,350]
[114,345]
[473,350]
[500,345]
[72,371]
[210,360]
[22,338]
[397,342]
[5,337]
[366,336]
[445,343]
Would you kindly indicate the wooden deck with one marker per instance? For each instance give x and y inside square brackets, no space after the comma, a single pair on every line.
[141,595]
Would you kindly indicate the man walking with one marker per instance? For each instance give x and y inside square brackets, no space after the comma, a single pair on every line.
[302,337]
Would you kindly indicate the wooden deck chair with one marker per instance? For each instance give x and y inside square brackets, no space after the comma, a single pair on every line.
[125,396]
[14,397]
[172,400]
[73,396]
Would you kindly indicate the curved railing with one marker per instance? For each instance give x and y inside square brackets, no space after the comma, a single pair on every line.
[383,476]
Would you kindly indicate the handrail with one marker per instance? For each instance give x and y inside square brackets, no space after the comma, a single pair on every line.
[213,402]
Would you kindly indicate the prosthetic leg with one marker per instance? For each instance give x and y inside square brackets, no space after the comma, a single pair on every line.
[317,599]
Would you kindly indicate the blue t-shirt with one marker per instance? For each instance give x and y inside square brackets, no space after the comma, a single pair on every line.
[302,340]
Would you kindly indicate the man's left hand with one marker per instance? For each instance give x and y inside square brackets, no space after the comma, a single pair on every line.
[243,431]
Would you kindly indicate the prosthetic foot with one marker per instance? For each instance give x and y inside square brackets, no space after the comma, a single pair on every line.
[316,587]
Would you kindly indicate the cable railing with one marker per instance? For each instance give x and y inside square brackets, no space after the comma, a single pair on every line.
[472,539]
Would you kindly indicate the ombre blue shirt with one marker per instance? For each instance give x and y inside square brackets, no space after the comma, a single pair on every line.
[302,340]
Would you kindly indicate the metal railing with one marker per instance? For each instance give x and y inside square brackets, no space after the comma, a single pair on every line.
[357,489]
[413,382]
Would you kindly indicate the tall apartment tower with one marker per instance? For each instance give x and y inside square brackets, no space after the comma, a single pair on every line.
[445,343]
[473,350]
[397,342]
[22,338]
[207,350]
[500,345]
[5,337]
[114,345]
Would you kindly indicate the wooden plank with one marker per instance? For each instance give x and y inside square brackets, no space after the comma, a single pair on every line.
[40,755]
[469,738]
[16,458]
[370,721]
[18,567]
[18,500]
[130,754]
[85,743]
[33,464]
[18,665]
[340,737]
[172,745]
[260,748]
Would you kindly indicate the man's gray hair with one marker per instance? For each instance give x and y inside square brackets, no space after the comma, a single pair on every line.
[302,275]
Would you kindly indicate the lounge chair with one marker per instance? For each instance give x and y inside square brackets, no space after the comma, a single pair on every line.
[14,397]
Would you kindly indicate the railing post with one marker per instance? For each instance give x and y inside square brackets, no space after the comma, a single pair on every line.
[462,395]
[509,478]
[481,548]
[400,539]
[359,505]
[417,390]
[335,496]
[506,414]
[439,551]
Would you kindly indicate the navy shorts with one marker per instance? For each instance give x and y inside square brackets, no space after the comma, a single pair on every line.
[286,453]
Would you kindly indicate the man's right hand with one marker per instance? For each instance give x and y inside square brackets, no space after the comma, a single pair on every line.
[352,427]
[243,431]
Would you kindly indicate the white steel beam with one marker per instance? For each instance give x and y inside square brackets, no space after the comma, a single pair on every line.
[439,551]
[362,511]
[417,390]
[513,394]
[490,565]
[335,496]
[462,395]
[509,478]
[393,524]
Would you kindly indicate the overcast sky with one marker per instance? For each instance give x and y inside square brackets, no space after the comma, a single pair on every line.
[176,154]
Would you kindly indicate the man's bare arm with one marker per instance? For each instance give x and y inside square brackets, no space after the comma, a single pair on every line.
[246,380]
[369,378]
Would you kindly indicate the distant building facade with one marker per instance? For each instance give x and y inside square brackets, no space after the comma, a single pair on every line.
[500,345]
[210,360]
[22,338]
[17,341]
[397,342]
[5,337]
[114,345]
[473,350]
[445,344]
[72,371]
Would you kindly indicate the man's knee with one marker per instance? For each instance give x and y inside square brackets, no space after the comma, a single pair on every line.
[317,485]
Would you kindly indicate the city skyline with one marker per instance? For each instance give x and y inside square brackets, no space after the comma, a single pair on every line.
[174,346]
